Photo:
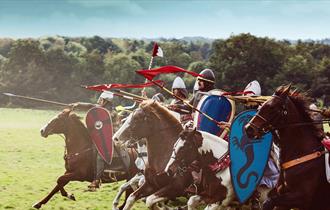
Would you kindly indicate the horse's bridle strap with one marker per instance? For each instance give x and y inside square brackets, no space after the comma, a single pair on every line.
[302,159]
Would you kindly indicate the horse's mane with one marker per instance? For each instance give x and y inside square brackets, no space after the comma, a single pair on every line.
[301,101]
[154,107]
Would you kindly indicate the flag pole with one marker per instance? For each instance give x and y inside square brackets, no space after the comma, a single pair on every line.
[143,93]
[131,95]
[150,64]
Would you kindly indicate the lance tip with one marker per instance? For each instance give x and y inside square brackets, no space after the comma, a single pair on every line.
[8,94]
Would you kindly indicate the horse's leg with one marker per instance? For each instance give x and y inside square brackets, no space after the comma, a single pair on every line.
[213,206]
[128,192]
[61,182]
[132,183]
[152,201]
[194,201]
[66,194]
[122,189]
[128,187]
[46,199]
[143,191]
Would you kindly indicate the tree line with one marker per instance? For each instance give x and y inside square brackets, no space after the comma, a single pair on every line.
[55,67]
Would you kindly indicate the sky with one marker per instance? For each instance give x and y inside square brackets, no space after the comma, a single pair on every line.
[280,19]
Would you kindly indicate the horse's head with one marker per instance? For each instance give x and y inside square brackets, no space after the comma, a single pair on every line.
[56,125]
[134,128]
[271,115]
[185,151]
[146,121]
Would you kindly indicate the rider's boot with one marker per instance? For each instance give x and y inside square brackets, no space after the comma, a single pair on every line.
[94,185]
[99,168]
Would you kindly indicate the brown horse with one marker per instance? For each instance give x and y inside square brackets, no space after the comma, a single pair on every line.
[302,181]
[79,156]
[161,130]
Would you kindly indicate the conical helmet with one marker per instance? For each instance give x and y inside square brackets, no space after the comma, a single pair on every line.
[106,95]
[208,76]
[178,83]
[254,89]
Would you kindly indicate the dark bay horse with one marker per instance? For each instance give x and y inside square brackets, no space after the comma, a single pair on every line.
[79,157]
[161,129]
[302,181]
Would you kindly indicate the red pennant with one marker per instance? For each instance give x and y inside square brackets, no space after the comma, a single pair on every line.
[150,74]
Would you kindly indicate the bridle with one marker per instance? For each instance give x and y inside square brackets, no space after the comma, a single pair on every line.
[282,114]
[268,124]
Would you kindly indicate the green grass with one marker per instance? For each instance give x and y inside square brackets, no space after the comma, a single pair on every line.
[30,165]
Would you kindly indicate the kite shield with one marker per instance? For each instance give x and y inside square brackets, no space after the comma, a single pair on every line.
[98,121]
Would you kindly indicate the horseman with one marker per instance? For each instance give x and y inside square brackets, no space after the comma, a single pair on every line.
[105,101]
[179,89]
[204,85]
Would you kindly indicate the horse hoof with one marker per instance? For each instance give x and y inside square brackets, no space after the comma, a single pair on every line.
[71,197]
[37,205]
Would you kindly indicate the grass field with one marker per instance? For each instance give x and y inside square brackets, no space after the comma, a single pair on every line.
[30,165]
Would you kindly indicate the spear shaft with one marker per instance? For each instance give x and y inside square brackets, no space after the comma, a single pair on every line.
[36,99]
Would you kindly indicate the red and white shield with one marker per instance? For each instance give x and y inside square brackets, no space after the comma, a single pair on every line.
[99,124]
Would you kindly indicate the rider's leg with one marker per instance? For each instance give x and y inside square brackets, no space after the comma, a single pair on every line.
[99,168]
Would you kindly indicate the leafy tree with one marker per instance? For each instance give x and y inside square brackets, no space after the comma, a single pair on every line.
[243,58]
[100,44]
[121,69]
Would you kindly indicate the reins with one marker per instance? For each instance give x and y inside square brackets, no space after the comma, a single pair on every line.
[305,123]
[67,156]
[303,159]
[283,112]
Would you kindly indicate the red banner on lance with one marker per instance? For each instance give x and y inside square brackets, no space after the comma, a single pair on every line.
[150,74]
[104,87]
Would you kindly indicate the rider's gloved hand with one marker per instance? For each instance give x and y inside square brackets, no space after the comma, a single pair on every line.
[73,105]
[223,124]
